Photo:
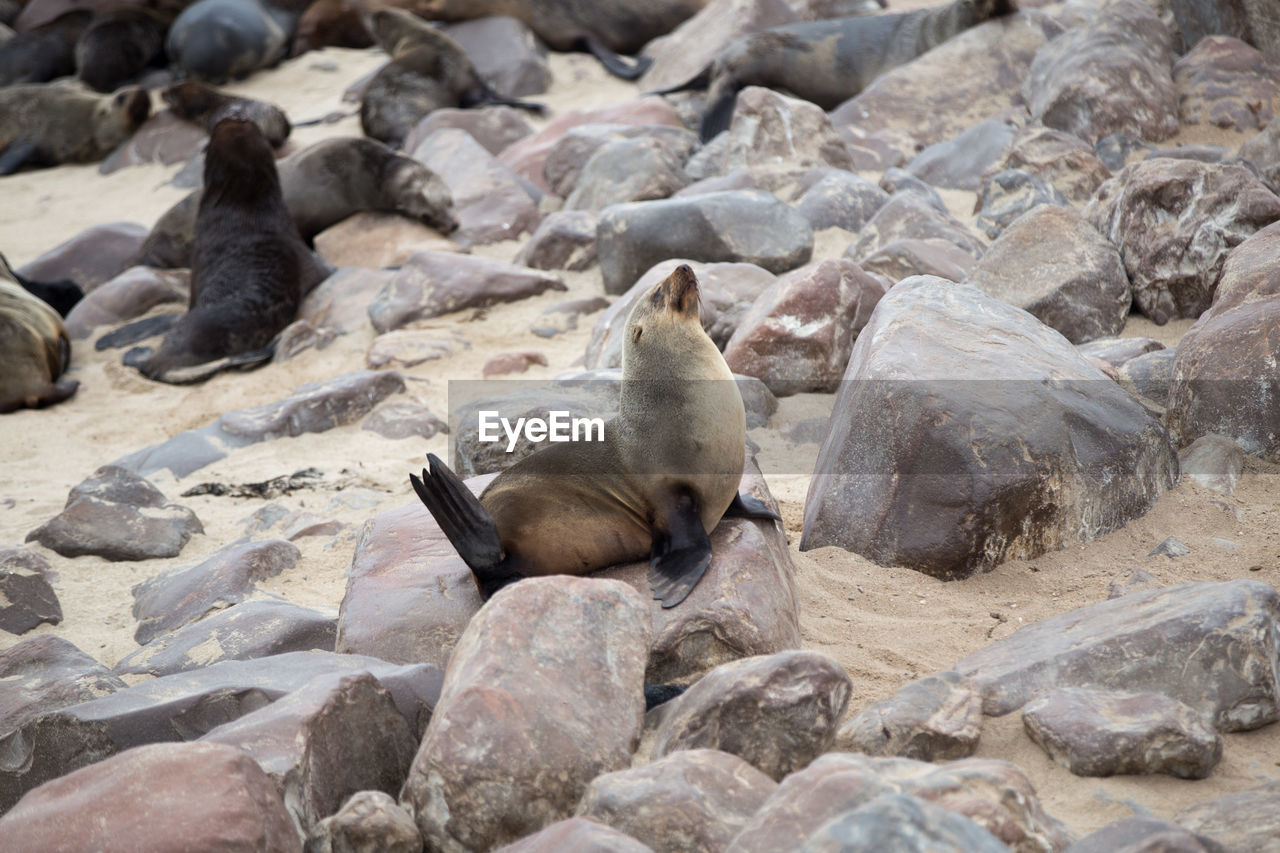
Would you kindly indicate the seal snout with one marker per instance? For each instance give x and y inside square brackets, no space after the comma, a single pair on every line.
[681,290]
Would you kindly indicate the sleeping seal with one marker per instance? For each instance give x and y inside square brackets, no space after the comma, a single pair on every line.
[34,348]
[50,124]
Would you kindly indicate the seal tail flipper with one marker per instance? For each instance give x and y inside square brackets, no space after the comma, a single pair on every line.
[749,506]
[17,154]
[615,64]
[199,372]
[718,115]
[136,331]
[694,84]
[680,555]
[467,524]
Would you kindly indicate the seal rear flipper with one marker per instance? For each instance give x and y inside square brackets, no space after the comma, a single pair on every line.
[718,115]
[486,96]
[615,64]
[17,155]
[694,84]
[749,506]
[192,374]
[680,555]
[136,331]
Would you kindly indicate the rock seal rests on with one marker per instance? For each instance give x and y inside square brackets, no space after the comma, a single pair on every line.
[665,473]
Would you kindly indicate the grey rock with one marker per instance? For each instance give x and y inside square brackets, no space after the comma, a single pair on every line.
[1117,150]
[936,718]
[1149,375]
[93,256]
[834,198]
[899,259]
[901,823]
[368,822]
[341,301]
[1227,83]
[162,138]
[693,801]
[300,336]
[908,215]
[564,240]
[1214,462]
[1103,732]
[563,316]
[1205,644]
[1116,351]
[1006,196]
[404,348]
[1247,822]
[494,127]
[400,419]
[1056,157]
[746,226]
[43,674]
[568,157]
[373,239]
[117,515]
[1263,151]
[627,170]
[1250,20]
[506,54]
[1201,153]
[1133,581]
[896,180]
[129,295]
[26,597]
[773,132]
[578,834]
[959,162]
[1143,835]
[1170,547]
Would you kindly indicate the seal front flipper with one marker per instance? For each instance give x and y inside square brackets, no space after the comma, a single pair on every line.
[746,505]
[681,553]
[138,330]
[17,154]
[615,64]
[467,523]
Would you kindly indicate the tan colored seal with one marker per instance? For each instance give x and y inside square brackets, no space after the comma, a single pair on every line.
[34,348]
[666,472]
[50,124]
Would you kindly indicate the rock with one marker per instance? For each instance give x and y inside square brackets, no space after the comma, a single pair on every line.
[1224,379]
[506,54]
[1134,581]
[1227,83]
[568,157]
[156,798]
[1247,822]
[959,162]
[1202,153]
[1057,267]
[26,597]
[341,301]
[585,638]
[401,419]
[563,316]
[580,835]
[1214,462]
[683,53]
[405,348]
[834,198]
[117,515]
[936,718]
[300,336]
[375,239]
[564,240]
[1111,75]
[728,292]
[504,364]
[904,258]
[369,822]
[434,283]
[93,256]
[1007,195]
[693,801]
[45,673]
[1058,158]
[777,712]
[908,215]
[745,226]
[1142,835]
[1204,210]
[928,474]
[1204,644]
[798,334]
[1118,150]
[1170,548]
[901,822]
[252,629]
[127,296]
[1253,22]
[627,170]
[895,180]
[1117,351]
[1263,151]
[1148,375]
[324,742]
[162,138]
[1102,733]
[772,132]
[490,201]
[494,127]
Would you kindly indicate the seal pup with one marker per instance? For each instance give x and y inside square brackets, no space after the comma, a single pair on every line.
[61,295]
[45,52]
[827,62]
[205,106]
[323,184]
[119,45]
[428,70]
[34,348]
[666,472]
[221,40]
[249,267]
[50,124]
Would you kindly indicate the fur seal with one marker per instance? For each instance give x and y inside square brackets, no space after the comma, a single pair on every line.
[49,124]
[665,474]
[45,52]
[427,71]
[827,62]
[119,45]
[221,40]
[323,184]
[249,267]
[203,105]
[34,348]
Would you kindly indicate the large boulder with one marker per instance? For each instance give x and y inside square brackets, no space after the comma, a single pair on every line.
[1227,83]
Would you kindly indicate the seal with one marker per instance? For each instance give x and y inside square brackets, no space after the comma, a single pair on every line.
[50,124]
[34,348]
[323,184]
[119,45]
[45,52]
[827,62]
[249,267]
[221,40]
[428,70]
[199,104]
[666,472]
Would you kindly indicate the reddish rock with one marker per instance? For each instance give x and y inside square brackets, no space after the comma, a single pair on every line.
[45,673]
[580,835]
[129,295]
[936,718]
[1059,158]
[1227,83]
[899,259]
[1246,822]
[26,597]
[405,348]
[93,256]
[775,132]
[494,127]
[374,239]
[162,138]
[507,363]
[369,822]
[341,301]
[564,240]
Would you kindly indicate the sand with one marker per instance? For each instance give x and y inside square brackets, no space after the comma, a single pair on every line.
[887,626]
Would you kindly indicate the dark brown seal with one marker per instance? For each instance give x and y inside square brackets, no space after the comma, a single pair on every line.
[119,45]
[206,106]
[34,348]
[249,267]
[428,70]
[664,475]
[45,52]
[50,124]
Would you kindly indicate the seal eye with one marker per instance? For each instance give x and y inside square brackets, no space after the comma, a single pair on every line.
[635,336]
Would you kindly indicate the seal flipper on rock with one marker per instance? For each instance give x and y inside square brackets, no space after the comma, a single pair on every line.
[614,63]
[681,552]
[749,506]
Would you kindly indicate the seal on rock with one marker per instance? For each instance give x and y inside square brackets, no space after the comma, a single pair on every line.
[50,124]
[34,348]
[205,106]
[323,184]
[664,475]
[119,45]
[829,61]
[249,267]
[428,70]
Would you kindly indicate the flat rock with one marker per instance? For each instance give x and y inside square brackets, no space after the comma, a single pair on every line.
[743,226]
[901,822]
[375,239]
[1247,822]
[400,419]
[798,334]
[909,215]
[1227,83]
[564,240]
[43,674]
[163,138]
[117,515]
[577,834]
[1208,645]
[153,799]
[693,801]
[778,712]
[1214,462]
[835,198]
[1103,732]
[1057,267]
[563,316]
[252,629]
[430,284]
[1061,159]
[129,295]
[26,597]
[930,474]
[91,257]
[1143,835]
[958,163]
[1117,351]
[404,348]
[494,127]
[585,638]
[369,822]
[341,301]
[896,180]
[1007,196]
[899,259]
[935,718]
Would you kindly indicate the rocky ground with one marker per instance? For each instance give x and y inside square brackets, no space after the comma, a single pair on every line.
[1006,326]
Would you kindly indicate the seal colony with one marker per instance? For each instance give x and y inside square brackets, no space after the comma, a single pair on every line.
[666,473]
